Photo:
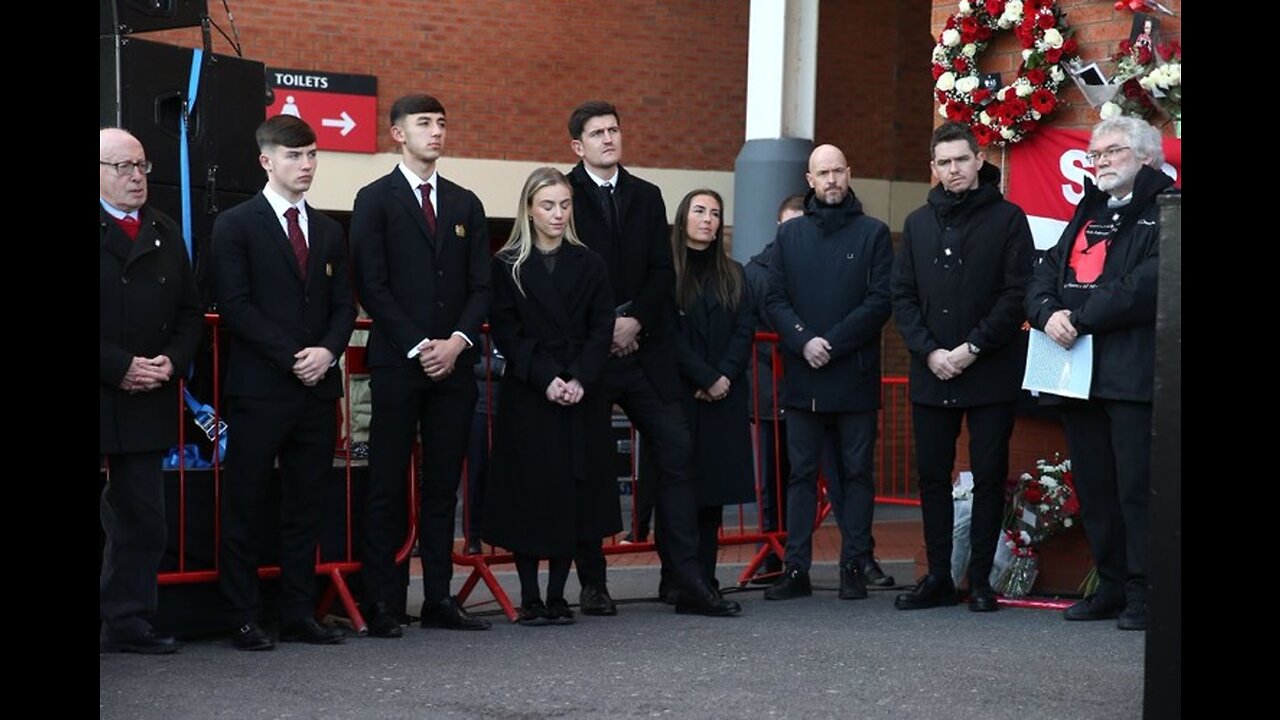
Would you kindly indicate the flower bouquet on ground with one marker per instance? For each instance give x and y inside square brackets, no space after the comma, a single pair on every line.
[1040,507]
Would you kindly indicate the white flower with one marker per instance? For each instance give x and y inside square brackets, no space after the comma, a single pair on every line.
[939,53]
[1149,81]
[1174,71]
[970,49]
[951,37]
[1053,38]
[1003,92]
[942,110]
[965,8]
[1049,482]
[1044,507]
[1026,54]
[1109,110]
[967,84]
[1035,114]
[1012,14]
[1026,538]
[1022,86]
[1056,74]
[1068,522]
[1006,133]
[946,81]
[986,120]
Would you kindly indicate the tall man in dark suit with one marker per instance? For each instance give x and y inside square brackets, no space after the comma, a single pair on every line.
[149,326]
[623,218]
[421,250]
[828,298]
[283,289]
[958,285]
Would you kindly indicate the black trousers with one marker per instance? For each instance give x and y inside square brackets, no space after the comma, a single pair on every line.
[405,403]
[1110,442]
[132,510]
[665,428]
[856,433]
[775,468]
[300,431]
[936,431]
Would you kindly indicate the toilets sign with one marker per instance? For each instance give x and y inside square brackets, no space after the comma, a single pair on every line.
[343,109]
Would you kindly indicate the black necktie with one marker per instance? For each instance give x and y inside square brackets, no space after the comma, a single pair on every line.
[610,208]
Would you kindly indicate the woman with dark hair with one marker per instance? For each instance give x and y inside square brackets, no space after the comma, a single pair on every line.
[550,482]
[715,321]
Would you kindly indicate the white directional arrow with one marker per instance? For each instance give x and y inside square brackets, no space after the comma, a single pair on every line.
[345,122]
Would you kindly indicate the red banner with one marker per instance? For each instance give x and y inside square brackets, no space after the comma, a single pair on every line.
[1046,178]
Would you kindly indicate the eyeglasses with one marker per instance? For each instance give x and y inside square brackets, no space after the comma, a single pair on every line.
[1109,153]
[125,169]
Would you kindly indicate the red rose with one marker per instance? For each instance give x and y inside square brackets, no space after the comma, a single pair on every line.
[967,36]
[1053,56]
[938,69]
[951,23]
[1035,76]
[984,33]
[1033,493]
[1144,54]
[995,7]
[1044,101]
[1026,126]
[942,97]
[1015,108]
[1069,47]
[959,65]
[1044,3]
[968,25]
[983,134]
[1132,89]
[1171,50]
[958,112]
[980,95]
[1045,20]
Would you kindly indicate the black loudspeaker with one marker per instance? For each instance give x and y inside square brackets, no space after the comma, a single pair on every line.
[142,88]
[121,17]
[205,206]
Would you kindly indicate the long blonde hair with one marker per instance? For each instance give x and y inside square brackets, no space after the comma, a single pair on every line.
[519,245]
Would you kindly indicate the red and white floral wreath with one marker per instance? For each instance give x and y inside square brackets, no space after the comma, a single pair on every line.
[1008,114]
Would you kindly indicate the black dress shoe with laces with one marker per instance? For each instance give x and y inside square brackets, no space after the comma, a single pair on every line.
[931,591]
[768,571]
[145,642]
[1095,607]
[448,614]
[705,600]
[983,599]
[558,611]
[853,584]
[595,600]
[251,637]
[533,614]
[794,583]
[311,632]
[382,623]
[875,575]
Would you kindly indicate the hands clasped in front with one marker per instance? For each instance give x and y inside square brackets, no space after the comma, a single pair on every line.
[719,390]
[146,374]
[311,363]
[564,392]
[948,364]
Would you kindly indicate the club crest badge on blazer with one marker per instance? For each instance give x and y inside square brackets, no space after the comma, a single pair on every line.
[328,269]
[460,230]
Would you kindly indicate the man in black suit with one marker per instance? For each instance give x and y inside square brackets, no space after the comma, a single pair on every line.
[283,289]
[149,325]
[421,250]
[624,219]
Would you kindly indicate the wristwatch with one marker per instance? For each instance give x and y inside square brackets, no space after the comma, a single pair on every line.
[974,349]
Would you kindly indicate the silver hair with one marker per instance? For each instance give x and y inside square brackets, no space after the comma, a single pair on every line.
[1141,136]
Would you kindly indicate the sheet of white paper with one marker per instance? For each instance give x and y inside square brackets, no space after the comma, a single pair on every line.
[1054,370]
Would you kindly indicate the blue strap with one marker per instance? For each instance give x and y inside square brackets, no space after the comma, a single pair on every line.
[184,154]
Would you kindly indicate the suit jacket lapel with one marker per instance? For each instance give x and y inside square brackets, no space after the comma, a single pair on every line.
[444,203]
[275,233]
[114,240]
[625,193]
[405,196]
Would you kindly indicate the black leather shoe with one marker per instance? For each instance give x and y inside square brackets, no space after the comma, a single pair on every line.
[381,623]
[251,637]
[311,632]
[794,583]
[558,612]
[930,591]
[874,575]
[706,600]
[146,642]
[448,614]
[533,614]
[983,599]
[1094,607]
[853,584]
[667,592]
[595,600]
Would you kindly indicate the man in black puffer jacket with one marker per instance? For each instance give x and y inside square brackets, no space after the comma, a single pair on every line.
[1100,280]
[958,285]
